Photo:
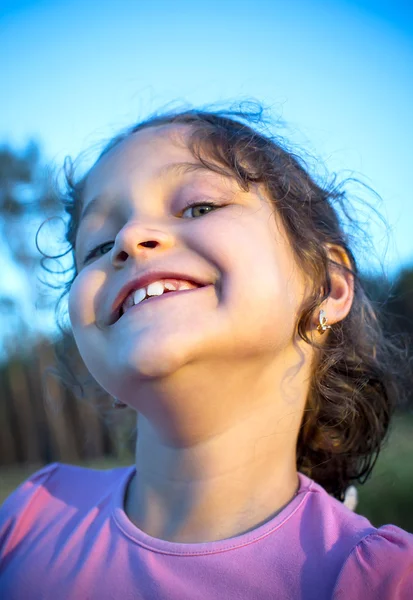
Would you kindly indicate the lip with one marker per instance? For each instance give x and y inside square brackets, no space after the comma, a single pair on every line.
[144,280]
[158,299]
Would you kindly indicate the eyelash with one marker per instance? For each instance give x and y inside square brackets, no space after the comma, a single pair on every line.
[92,253]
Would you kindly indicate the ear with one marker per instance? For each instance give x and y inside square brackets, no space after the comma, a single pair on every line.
[338,304]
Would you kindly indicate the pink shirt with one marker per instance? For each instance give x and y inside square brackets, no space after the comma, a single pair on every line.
[64,535]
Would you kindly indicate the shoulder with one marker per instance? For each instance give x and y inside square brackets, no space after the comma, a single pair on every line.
[366,562]
[63,480]
[380,566]
[337,524]
[17,514]
[54,494]
[27,490]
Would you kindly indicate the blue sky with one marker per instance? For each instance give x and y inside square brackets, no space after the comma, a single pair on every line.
[339,73]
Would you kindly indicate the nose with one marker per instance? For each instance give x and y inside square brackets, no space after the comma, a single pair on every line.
[134,239]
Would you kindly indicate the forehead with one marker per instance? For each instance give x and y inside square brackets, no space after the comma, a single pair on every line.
[141,155]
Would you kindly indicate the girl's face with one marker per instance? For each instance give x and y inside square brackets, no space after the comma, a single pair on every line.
[137,219]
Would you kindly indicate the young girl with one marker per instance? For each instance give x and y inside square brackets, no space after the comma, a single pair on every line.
[264,386]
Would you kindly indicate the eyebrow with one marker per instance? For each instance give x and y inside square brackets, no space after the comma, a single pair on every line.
[180,168]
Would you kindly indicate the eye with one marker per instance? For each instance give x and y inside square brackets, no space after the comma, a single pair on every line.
[196,204]
[95,251]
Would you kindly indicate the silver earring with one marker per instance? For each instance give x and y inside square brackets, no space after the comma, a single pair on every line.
[322,326]
[118,404]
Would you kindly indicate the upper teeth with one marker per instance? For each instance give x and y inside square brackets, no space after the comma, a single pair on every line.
[156,288]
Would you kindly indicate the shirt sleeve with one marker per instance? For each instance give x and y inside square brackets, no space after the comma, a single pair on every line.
[380,567]
[15,510]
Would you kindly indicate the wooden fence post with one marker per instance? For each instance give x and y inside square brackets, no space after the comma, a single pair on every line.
[20,396]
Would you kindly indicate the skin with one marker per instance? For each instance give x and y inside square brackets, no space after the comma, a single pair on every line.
[219,376]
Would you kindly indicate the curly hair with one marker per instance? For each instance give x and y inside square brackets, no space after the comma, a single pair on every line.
[355,386]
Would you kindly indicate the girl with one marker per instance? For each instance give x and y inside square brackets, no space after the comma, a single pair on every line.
[264,386]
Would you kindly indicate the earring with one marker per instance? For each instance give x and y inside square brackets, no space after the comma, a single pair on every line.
[322,327]
[118,404]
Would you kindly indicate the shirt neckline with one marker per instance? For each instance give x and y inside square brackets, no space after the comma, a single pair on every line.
[132,532]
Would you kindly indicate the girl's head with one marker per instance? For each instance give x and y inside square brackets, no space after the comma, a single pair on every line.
[202,196]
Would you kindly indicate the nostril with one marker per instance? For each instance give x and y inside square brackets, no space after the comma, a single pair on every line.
[122,256]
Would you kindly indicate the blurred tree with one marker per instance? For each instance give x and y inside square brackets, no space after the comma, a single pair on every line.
[27,193]
[401,302]
[27,197]
[394,302]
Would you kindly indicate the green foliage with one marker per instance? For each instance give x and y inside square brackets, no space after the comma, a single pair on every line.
[401,303]
[27,198]
[393,303]
[25,182]
[388,495]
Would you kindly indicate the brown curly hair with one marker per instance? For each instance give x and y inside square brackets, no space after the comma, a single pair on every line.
[355,385]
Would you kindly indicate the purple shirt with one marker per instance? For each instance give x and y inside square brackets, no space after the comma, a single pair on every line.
[64,535]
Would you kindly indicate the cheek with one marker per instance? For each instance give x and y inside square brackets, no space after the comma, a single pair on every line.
[83,295]
[266,268]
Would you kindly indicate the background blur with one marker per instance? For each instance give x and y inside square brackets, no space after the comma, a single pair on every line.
[336,77]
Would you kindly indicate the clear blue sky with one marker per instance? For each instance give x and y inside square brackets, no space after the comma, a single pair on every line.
[339,72]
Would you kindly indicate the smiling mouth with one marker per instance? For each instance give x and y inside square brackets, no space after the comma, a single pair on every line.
[154,298]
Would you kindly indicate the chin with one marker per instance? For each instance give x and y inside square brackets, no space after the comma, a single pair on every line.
[150,358]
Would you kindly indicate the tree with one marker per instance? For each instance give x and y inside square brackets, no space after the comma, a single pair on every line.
[27,197]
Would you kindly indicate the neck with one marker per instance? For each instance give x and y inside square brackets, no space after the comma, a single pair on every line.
[220,487]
